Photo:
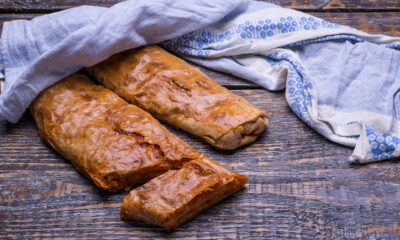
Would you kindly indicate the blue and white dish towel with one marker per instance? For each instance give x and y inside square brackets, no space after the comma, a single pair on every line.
[342,82]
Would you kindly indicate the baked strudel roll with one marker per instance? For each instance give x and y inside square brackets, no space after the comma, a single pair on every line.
[178,195]
[115,144]
[173,90]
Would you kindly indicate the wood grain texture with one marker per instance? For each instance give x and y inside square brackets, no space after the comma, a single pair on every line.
[371,22]
[325,5]
[301,186]
[329,5]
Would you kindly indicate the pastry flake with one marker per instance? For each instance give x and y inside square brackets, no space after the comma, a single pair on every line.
[179,93]
[178,195]
[114,143]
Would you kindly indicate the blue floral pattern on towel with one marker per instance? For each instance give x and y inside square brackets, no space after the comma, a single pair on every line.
[1,66]
[395,45]
[299,90]
[327,38]
[382,146]
[197,42]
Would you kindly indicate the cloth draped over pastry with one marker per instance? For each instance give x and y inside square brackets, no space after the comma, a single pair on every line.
[340,81]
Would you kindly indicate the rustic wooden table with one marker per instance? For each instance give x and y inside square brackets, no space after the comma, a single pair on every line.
[301,186]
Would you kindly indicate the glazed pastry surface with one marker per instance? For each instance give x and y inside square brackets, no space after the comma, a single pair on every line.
[114,143]
[178,195]
[180,94]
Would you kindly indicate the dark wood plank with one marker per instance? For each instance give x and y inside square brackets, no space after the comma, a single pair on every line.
[43,5]
[362,4]
[301,186]
[330,5]
[371,22]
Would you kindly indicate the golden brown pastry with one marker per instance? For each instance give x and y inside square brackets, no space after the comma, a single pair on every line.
[178,195]
[115,144]
[180,94]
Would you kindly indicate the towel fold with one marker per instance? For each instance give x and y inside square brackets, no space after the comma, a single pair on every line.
[342,82]
[46,49]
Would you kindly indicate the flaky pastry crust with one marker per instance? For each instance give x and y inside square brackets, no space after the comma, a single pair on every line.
[178,195]
[179,93]
[114,143]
